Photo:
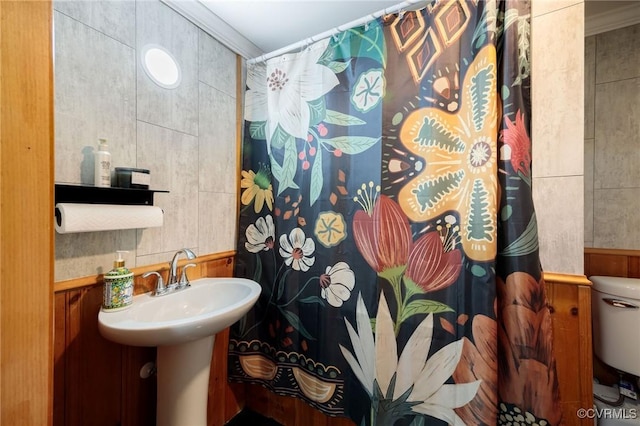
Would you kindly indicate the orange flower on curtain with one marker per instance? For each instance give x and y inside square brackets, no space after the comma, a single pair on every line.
[527,374]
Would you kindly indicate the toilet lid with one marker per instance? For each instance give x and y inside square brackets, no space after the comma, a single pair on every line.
[617,286]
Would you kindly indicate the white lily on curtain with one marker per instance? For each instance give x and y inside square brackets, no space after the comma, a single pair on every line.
[413,383]
[292,81]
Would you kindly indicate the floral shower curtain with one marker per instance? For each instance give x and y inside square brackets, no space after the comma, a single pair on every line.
[387,214]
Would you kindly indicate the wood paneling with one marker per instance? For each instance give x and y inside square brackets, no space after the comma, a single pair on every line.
[98,382]
[26,211]
[611,262]
[569,299]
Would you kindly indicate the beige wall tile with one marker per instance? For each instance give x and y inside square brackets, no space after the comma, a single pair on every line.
[91,253]
[217,65]
[558,92]
[588,189]
[612,182]
[94,98]
[541,7]
[172,158]
[617,134]
[163,140]
[589,86]
[117,19]
[618,54]
[218,153]
[217,222]
[176,108]
[180,227]
[559,205]
[616,218]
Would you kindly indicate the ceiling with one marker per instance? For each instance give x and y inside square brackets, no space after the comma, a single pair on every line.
[254,27]
[271,25]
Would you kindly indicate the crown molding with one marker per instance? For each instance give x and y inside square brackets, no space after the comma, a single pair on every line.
[199,14]
[612,20]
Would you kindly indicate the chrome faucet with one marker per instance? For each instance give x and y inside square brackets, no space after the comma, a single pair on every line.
[173,269]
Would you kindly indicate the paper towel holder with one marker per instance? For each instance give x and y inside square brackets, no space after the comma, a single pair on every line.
[89,194]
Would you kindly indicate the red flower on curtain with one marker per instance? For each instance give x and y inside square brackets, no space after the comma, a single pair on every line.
[429,266]
[383,235]
[527,368]
[516,137]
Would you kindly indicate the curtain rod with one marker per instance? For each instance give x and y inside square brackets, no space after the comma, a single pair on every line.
[335,30]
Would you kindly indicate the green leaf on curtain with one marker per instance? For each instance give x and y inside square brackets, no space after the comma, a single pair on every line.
[488,21]
[317,180]
[351,144]
[317,111]
[340,119]
[481,93]
[423,306]
[312,299]
[280,290]
[282,283]
[355,43]
[526,243]
[258,130]
[242,324]
[418,421]
[257,274]
[523,31]
[479,226]
[338,67]
[296,323]
[429,193]
[276,169]
[280,138]
[510,17]
[289,167]
[506,212]
[478,271]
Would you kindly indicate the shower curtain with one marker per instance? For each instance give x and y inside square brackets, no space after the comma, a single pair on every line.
[386,211]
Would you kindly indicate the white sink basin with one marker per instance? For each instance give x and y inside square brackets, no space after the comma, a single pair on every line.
[183,326]
[207,307]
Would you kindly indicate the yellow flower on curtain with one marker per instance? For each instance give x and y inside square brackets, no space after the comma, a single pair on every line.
[460,151]
[257,189]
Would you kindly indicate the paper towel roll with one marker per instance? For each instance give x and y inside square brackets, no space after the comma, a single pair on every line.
[73,217]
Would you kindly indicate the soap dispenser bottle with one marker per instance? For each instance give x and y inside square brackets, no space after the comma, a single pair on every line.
[118,286]
[102,158]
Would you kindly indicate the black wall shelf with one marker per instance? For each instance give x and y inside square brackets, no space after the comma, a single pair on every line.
[89,194]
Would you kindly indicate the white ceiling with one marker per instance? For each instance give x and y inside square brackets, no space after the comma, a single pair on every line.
[254,27]
[271,25]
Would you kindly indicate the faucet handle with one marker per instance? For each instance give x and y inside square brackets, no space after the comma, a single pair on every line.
[184,280]
[160,287]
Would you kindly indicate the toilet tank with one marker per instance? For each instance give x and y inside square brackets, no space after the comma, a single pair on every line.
[615,306]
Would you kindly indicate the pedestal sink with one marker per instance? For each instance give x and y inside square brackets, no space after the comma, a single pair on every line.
[182,325]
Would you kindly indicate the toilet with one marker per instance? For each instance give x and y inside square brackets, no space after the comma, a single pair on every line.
[615,305]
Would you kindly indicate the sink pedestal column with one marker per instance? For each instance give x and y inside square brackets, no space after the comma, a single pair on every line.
[183,383]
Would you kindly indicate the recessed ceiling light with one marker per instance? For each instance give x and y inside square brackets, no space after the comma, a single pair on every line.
[161,66]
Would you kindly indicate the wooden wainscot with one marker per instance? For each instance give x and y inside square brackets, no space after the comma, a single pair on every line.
[569,298]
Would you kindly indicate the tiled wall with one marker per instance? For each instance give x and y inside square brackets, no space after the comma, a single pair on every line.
[612,139]
[185,136]
[557,132]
